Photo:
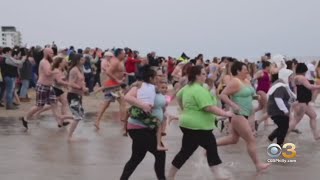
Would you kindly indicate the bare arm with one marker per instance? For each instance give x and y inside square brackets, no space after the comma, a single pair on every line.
[47,69]
[307,84]
[258,75]
[218,111]
[231,89]
[60,80]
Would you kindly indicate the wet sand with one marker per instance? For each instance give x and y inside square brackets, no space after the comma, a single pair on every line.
[43,152]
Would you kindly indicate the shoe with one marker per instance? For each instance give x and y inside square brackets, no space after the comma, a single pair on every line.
[64,124]
[24,122]
[1,105]
[16,104]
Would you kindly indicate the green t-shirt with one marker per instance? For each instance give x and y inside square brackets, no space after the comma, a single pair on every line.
[194,99]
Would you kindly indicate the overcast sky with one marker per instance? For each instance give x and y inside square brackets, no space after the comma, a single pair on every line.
[241,28]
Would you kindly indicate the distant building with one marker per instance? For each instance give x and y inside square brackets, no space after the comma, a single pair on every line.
[10,37]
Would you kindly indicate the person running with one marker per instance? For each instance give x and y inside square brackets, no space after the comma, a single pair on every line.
[304,96]
[264,84]
[116,75]
[279,105]
[239,96]
[143,137]
[197,122]
[60,82]
[44,91]
[77,90]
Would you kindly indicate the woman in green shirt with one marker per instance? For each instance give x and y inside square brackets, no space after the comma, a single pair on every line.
[239,96]
[197,122]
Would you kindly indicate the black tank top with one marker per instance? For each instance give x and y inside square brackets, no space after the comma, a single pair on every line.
[304,95]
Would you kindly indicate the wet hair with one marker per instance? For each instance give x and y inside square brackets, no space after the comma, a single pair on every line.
[193,72]
[56,62]
[186,68]
[301,68]
[265,64]
[147,73]
[117,52]
[236,66]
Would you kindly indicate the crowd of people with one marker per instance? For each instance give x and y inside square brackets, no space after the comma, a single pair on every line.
[210,93]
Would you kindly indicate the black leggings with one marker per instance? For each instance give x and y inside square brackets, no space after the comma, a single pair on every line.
[191,140]
[281,132]
[144,140]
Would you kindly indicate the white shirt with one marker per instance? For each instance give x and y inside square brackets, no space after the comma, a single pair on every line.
[147,93]
[311,70]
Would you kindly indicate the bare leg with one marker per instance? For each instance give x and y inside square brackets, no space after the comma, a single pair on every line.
[164,126]
[73,126]
[64,103]
[160,146]
[232,138]
[172,173]
[58,117]
[125,123]
[122,107]
[104,107]
[46,108]
[242,127]
[16,97]
[299,111]
[313,122]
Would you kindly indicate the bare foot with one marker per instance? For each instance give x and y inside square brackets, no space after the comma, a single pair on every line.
[124,132]
[262,166]
[161,148]
[97,126]
[219,175]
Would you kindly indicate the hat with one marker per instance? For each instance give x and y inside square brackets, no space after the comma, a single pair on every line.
[279,60]
[284,75]
[108,54]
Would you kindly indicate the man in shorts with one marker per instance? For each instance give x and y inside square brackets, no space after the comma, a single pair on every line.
[44,90]
[113,85]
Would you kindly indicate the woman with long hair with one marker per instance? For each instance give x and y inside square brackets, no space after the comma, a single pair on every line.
[239,96]
[197,122]
[77,89]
